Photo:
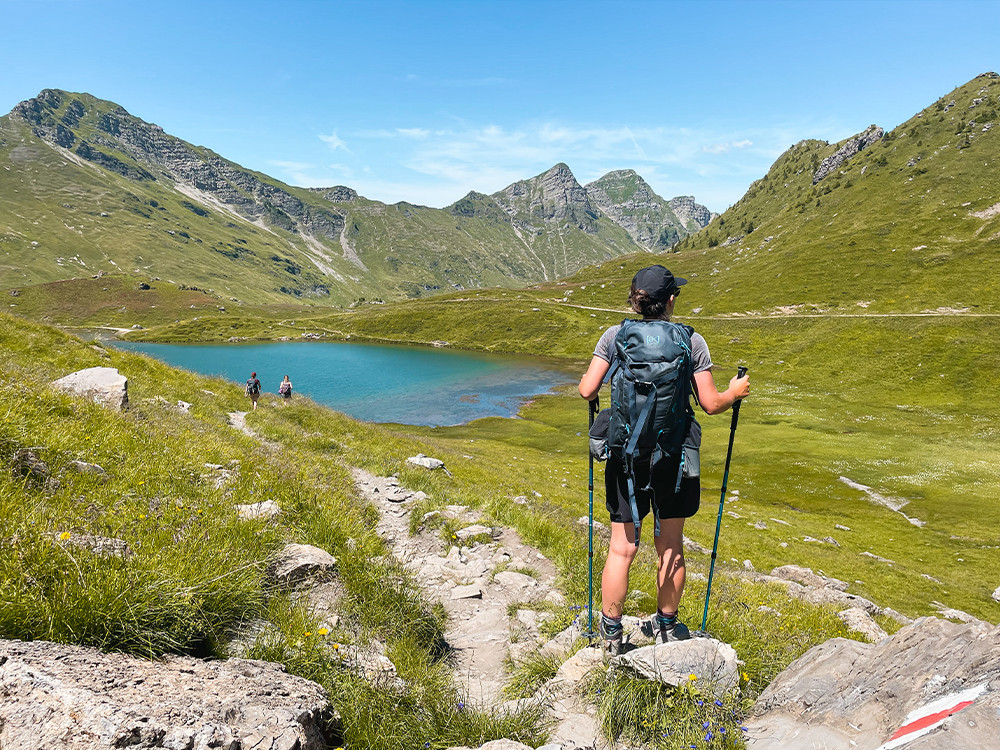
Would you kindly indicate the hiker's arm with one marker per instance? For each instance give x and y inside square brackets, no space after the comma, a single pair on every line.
[709,397]
[590,385]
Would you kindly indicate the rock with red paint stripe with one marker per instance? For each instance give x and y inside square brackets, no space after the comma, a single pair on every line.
[934,684]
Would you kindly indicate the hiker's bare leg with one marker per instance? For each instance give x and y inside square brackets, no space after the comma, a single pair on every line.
[670,567]
[614,580]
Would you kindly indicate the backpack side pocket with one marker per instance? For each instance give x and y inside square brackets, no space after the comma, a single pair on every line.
[692,450]
[599,449]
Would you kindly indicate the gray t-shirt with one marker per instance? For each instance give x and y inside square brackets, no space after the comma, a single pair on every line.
[605,349]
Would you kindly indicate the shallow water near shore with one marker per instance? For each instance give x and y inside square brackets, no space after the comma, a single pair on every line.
[376,383]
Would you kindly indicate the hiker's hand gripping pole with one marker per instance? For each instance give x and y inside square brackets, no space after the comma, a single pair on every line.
[740,372]
[594,407]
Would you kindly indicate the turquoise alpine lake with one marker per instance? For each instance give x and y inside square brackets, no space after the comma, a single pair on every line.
[376,383]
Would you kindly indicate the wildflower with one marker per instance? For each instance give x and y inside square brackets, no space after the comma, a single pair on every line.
[142,482]
[746,677]
[64,536]
[322,631]
[705,725]
[307,634]
[718,703]
[693,677]
[461,706]
[336,647]
[701,703]
[708,736]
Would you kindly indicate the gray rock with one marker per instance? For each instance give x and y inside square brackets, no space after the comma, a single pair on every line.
[75,698]
[714,663]
[470,531]
[472,591]
[265,509]
[996,594]
[578,666]
[26,464]
[860,621]
[82,467]
[497,745]
[99,545]
[425,461]
[832,163]
[806,577]
[104,385]
[846,694]
[296,562]
[184,406]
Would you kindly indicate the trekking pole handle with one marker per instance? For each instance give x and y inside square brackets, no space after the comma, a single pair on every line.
[740,372]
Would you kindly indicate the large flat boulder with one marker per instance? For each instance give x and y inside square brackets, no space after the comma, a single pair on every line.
[933,684]
[713,664]
[76,698]
[105,385]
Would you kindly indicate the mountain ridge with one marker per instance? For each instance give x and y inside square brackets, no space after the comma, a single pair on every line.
[248,235]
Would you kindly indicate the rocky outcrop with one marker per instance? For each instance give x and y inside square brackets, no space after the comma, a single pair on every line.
[554,197]
[140,150]
[845,694]
[831,164]
[655,223]
[298,562]
[77,698]
[105,385]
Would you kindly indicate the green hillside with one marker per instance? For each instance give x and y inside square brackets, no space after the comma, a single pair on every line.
[87,188]
[909,224]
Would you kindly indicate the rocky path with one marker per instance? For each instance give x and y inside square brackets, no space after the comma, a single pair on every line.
[477,578]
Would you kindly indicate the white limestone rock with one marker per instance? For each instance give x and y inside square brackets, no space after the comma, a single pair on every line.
[104,385]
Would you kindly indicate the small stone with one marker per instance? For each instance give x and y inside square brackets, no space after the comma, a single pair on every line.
[472,591]
[265,509]
[520,500]
[858,620]
[996,594]
[426,461]
[298,561]
[471,531]
[184,406]
[556,598]
[82,467]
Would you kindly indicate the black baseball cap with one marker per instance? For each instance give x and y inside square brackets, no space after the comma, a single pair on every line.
[657,282]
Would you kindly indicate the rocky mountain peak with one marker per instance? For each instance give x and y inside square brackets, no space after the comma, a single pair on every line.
[554,196]
[650,220]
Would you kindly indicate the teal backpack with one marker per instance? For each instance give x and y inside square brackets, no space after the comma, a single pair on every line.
[650,414]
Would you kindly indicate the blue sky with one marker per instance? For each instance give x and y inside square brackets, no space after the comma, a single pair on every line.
[424,101]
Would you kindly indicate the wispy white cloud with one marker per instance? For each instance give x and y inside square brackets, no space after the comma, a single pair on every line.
[722,148]
[435,165]
[334,142]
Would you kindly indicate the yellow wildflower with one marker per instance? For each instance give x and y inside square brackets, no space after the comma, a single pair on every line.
[693,677]
[308,634]
[64,536]
[323,631]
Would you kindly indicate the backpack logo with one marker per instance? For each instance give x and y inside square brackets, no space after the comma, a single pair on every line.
[652,339]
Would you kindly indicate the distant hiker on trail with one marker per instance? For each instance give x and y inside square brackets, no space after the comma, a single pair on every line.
[253,389]
[653,459]
[285,389]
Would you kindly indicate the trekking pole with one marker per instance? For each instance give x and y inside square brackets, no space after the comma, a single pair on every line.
[740,372]
[594,407]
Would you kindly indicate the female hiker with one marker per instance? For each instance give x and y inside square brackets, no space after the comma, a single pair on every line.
[285,389]
[252,390]
[653,294]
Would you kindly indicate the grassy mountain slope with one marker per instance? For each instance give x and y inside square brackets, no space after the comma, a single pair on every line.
[908,224]
[87,187]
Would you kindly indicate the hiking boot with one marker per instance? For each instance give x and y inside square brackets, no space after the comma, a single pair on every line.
[611,643]
[669,632]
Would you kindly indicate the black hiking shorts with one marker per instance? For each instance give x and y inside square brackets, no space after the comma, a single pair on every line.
[669,504]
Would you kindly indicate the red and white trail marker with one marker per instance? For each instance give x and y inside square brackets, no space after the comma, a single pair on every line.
[921,721]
